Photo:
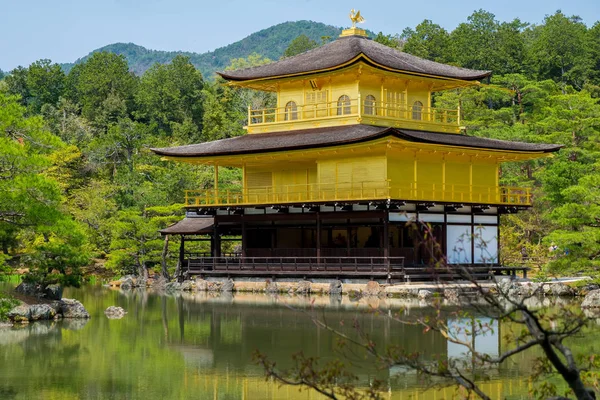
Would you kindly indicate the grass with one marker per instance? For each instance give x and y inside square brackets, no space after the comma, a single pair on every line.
[16,279]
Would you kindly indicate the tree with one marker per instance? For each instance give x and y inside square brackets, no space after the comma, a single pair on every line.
[41,83]
[32,220]
[594,51]
[389,40]
[253,60]
[299,45]
[171,95]
[474,42]
[136,243]
[559,49]
[427,40]
[102,81]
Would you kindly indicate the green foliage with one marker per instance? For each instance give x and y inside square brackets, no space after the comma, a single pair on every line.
[560,48]
[6,304]
[41,83]
[299,45]
[31,215]
[104,88]
[427,40]
[388,40]
[170,97]
[136,243]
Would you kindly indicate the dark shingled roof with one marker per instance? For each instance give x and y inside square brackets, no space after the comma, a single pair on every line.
[334,136]
[190,226]
[345,49]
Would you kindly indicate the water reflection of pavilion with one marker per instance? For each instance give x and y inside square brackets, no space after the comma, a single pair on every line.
[218,334]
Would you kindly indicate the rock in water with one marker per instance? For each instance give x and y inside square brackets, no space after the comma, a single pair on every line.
[335,287]
[560,289]
[41,312]
[214,286]
[114,312]
[354,295]
[227,286]
[159,283]
[187,285]
[201,285]
[53,292]
[71,308]
[303,287]
[34,312]
[372,289]
[592,299]
[19,313]
[29,289]
[272,287]
[452,295]
[424,294]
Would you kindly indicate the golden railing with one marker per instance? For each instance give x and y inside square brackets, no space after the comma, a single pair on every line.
[354,108]
[351,192]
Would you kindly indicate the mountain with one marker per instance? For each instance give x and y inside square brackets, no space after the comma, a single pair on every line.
[270,42]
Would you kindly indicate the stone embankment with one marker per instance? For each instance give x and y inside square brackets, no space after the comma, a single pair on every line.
[454,292]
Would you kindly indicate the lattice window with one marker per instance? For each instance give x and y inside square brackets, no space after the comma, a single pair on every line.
[316,97]
[291,111]
[343,105]
[417,109]
[370,105]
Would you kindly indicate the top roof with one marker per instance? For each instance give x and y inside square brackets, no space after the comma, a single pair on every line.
[335,136]
[347,50]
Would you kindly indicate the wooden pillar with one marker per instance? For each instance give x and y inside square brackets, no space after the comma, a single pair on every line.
[386,243]
[216,241]
[444,177]
[318,237]
[386,235]
[471,178]
[415,184]
[348,238]
[244,238]
[182,251]
[382,110]
[216,183]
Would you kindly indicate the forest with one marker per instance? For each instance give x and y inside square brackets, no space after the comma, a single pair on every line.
[79,186]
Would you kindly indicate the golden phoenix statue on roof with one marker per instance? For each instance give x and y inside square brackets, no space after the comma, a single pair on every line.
[356,18]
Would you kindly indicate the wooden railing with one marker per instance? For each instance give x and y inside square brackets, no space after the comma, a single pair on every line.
[350,192]
[355,108]
[388,267]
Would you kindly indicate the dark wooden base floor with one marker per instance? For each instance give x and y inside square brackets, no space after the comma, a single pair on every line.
[391,269]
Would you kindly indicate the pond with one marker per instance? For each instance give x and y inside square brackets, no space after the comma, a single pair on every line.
[200,346]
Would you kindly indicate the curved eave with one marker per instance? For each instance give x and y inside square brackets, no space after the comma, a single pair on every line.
[417,137]
[360,57]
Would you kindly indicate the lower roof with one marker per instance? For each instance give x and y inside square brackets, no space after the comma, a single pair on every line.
[335,136]
[190,226]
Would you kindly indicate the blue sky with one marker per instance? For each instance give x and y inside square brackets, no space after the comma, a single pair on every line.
[64,30]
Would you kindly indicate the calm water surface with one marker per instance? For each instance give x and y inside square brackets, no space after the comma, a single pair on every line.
[200,346]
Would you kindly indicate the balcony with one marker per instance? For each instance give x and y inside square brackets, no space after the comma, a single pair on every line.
[353,111]
[356,192]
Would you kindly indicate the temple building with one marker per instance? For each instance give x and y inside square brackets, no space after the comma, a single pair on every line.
[334,174]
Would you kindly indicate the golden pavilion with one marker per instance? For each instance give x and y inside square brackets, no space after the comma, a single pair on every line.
[334,174]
